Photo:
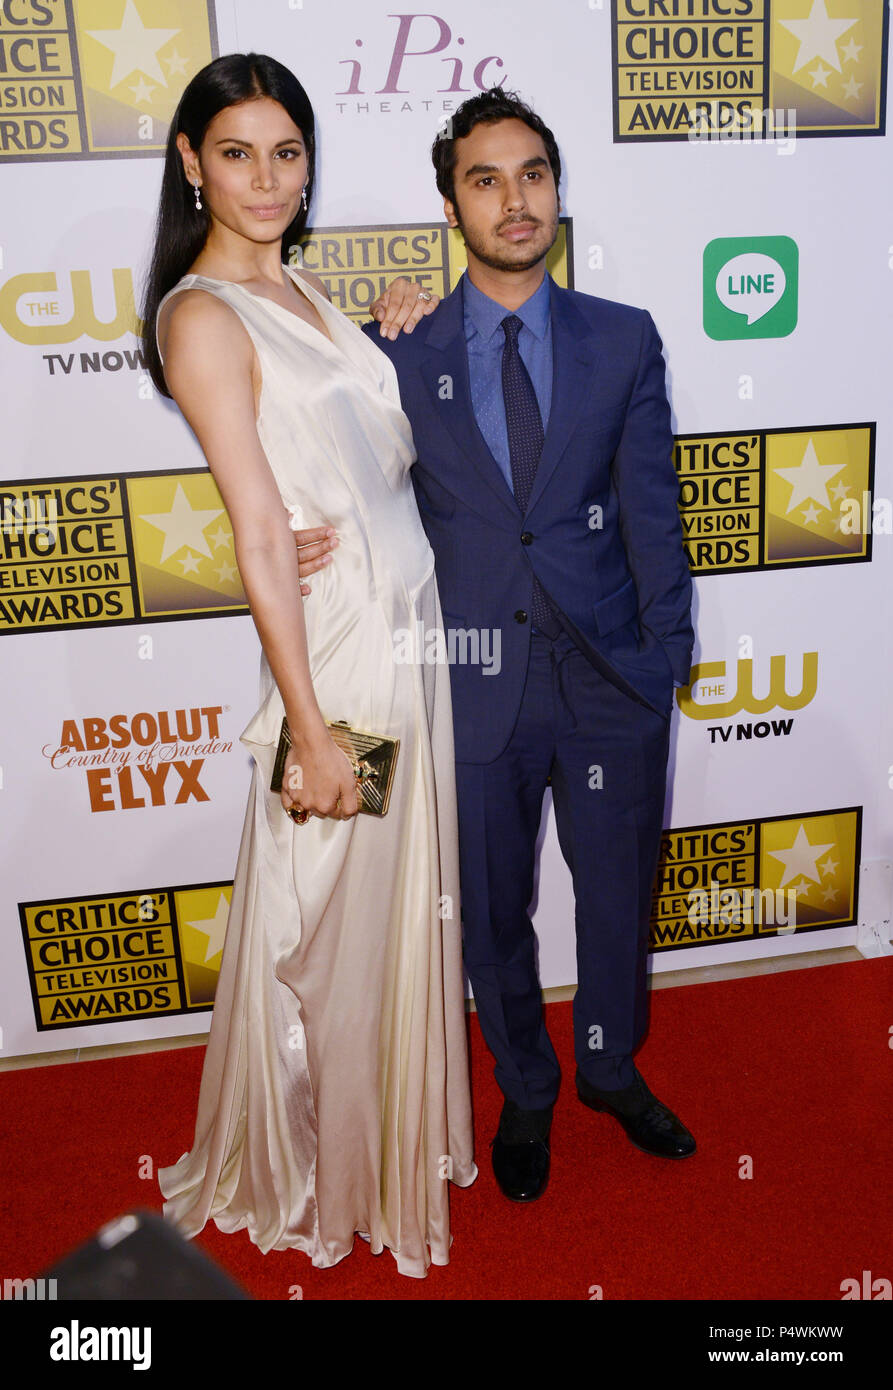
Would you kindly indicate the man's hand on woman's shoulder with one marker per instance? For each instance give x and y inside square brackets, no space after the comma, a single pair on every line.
[401,306]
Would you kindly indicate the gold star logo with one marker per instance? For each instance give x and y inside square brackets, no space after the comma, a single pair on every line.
[135,47]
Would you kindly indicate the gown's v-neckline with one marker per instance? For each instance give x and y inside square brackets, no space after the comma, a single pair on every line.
[265,299]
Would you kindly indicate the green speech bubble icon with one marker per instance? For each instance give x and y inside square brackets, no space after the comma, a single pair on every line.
[750,287]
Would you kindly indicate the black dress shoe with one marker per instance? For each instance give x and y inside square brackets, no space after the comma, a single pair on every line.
[520,1152]
[649,1124]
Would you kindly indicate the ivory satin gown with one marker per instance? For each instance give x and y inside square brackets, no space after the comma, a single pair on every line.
[335,1096]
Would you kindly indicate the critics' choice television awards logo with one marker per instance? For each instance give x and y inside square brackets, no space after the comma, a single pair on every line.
[750,287]
[775,876]
[775,498]
[113,957]
[684,65]
[81,79]
[84,552]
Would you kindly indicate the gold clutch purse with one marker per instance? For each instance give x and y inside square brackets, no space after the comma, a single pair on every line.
[374,757]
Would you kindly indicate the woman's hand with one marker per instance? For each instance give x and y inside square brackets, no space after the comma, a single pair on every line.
[314,545]
[400,306]
[318,777]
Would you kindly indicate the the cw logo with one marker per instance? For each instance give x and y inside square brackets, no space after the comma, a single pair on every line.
[744,698]
[37,321]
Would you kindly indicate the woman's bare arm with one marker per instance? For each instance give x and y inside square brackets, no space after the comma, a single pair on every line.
[209,360]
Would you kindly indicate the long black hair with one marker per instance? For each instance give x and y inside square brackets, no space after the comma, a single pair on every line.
[181,229]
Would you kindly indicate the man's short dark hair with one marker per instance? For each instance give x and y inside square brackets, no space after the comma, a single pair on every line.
[490,106]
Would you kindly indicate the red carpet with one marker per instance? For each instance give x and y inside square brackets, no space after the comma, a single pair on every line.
[794,1070]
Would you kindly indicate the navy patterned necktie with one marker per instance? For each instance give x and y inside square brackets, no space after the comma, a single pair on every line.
[525,434]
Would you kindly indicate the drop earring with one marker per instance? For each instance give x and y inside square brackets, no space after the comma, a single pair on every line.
[198,201]
[304,197]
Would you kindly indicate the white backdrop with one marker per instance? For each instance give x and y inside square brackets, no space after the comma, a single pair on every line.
[79,193]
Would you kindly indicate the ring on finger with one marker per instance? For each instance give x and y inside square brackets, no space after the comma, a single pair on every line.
[425,295]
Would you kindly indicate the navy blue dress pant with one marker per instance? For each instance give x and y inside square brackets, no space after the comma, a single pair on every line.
[607,757]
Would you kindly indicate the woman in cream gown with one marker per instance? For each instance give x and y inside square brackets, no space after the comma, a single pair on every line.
[335,1097]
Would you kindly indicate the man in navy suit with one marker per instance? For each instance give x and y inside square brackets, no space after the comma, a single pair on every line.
[546,486]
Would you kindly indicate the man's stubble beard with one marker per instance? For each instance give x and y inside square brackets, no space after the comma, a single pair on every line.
[495,262]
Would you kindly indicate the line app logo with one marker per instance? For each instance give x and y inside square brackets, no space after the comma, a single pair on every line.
[683,68]
[84,79]
[750,287]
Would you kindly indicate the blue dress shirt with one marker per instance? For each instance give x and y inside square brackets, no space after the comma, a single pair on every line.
[485,340]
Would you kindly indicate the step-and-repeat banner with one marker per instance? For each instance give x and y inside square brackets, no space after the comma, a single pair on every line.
[725,166]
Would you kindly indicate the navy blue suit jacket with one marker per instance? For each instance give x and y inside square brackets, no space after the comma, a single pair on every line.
[619,578]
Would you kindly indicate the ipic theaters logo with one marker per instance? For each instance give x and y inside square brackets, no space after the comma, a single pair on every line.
[134,761]
[46,308]
[750,287]
[84,79]
[717,692]
[774,876]
[683,66]
[84,552]
[418,65]
[112,957]
[357,264]
[774,498]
